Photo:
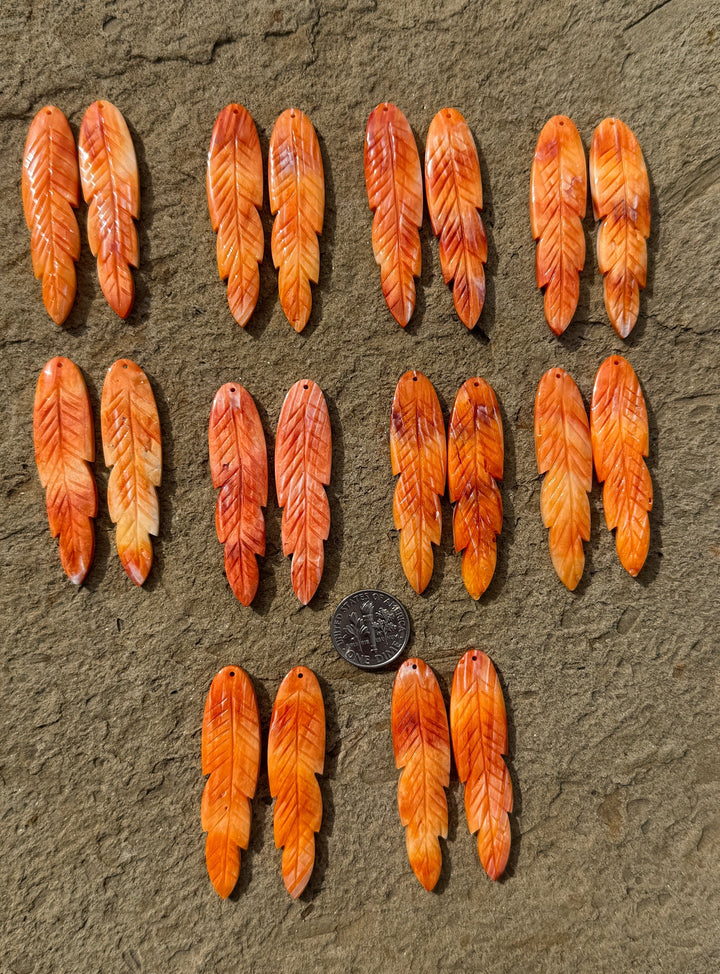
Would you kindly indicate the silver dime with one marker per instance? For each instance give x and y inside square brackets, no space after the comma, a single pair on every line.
[370,629]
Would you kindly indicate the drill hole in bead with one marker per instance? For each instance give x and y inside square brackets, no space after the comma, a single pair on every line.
[232,388]
[300,676]
[414,666]
[232,672]
[306,386]
[474,659]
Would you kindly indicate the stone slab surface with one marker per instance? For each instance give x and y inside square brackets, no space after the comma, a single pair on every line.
[612,691]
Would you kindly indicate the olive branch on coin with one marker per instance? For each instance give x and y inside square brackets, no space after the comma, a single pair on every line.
[356,628]
[387,624]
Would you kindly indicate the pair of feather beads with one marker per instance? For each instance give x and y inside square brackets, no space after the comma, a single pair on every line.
[421,742]
[621,199]
[474,463]
[50,191]
[296,187]
[238,463]
[65,448]
[393,179]
[231,749]
[566,444]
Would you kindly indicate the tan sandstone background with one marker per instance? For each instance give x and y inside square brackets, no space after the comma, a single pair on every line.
[611,691]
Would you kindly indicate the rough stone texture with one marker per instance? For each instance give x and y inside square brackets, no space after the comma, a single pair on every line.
[611,691]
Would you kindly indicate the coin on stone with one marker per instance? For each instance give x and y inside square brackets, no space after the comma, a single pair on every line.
[370,629]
